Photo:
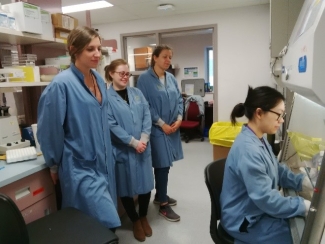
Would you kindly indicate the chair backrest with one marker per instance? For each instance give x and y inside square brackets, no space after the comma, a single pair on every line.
[213,175]
[193,112]
[12,225]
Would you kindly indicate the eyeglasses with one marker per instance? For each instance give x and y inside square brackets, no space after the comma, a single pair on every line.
[122,74]
[279,115]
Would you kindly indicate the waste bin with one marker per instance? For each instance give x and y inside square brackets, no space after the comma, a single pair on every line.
[222,135]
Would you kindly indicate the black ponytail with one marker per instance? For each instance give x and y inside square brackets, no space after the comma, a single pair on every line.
[263,97]
[238,111]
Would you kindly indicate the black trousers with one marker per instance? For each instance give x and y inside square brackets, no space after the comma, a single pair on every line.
[129,206]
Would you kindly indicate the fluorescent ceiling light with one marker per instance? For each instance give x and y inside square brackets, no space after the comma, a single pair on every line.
[85,6]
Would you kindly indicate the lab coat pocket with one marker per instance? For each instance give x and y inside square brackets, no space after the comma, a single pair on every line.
[121,155]
[84,167]
[84,163]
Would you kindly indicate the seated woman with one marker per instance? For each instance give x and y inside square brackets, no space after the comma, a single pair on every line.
[252,208]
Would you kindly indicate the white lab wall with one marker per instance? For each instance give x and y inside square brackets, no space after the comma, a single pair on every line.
[243,47]
[188,51]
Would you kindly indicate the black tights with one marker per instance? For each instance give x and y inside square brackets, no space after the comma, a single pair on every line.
[129,206]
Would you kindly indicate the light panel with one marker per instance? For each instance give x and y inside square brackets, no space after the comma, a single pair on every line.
[86,6]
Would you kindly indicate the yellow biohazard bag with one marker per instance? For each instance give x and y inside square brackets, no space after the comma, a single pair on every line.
[306,146]
[224,133]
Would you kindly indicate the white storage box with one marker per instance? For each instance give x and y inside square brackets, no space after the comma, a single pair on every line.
[62,62]
[28,16]
[47,27]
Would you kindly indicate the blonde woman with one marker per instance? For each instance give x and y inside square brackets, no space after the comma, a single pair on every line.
[130,125]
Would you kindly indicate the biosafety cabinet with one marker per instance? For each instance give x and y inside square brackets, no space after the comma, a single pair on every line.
[303,76]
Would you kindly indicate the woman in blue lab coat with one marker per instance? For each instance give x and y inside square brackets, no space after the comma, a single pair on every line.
[252,208]
[166,107]
[130,125]
[73,131]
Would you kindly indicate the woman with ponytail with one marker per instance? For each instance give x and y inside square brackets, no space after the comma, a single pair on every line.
[252,208]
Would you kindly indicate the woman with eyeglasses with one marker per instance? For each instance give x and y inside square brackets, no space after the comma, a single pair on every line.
[252,208]
[130,125]
[166,107]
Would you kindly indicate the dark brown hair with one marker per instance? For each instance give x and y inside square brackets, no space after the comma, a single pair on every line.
[78,39]
[112,67]
[157,52]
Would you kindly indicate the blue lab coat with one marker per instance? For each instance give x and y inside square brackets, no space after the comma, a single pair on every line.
[250,190]
[166,103]
[133,170]
[73,133]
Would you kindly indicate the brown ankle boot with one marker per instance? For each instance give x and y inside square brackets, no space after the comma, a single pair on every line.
[138,231]
[146,227]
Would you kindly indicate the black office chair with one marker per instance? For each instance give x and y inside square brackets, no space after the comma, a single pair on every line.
[68,225]
[213,175]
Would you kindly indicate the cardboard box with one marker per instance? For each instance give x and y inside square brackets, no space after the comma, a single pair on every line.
[61,34]
[220,152]
[64,22]
[47,27]
[27,16]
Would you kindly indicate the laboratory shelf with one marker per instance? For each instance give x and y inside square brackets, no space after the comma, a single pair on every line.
[15,37]
[22,84]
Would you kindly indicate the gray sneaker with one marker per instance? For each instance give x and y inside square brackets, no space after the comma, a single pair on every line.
[171,201]
[168,213]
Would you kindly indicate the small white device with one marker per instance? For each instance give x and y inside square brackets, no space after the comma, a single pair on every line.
[20,154]
[10,137]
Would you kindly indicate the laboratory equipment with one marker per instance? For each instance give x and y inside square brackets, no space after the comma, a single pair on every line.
[302,72]
[303,60]
[193,87]
[10,137]
[20,154]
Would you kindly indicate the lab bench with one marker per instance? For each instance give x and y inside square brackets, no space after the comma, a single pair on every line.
[29,185]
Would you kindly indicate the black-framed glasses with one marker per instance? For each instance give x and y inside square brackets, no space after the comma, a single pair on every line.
[278,114]
[122,74]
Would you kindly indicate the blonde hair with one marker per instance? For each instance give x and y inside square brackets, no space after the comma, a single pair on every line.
[112,67]
[78,40]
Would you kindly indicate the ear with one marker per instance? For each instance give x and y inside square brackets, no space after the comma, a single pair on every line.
[259,112]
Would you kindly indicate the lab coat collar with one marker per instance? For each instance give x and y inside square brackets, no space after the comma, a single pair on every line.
[118,97]
[247,132]
[79,74]
[152,72]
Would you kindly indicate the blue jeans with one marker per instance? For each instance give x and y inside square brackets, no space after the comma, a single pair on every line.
[161,178]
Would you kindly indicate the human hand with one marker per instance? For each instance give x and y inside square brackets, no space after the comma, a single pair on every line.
[54,177]
[307,206]
[167,129]
[141,147]
[176,125]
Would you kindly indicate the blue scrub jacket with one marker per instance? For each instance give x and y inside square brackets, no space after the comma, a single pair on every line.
[73,133]
[250,191]
[133,170]
[166,103]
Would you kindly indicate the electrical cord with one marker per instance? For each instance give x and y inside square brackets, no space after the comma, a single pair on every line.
[277,76]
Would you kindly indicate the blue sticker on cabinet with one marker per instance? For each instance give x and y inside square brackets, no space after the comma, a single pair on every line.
[302,65]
